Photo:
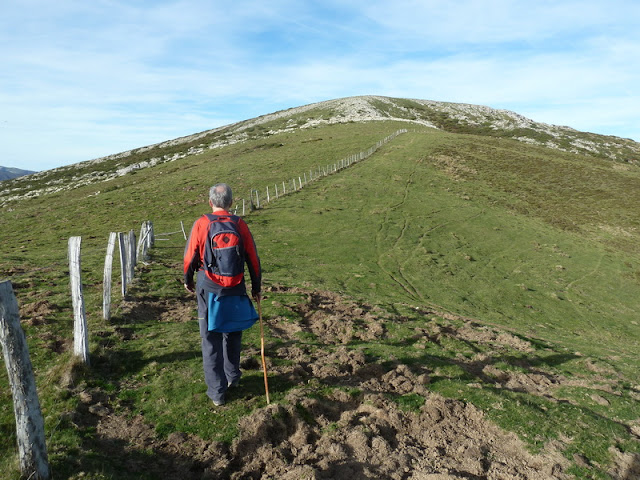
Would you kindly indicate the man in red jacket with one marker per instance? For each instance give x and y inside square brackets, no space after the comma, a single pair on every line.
[224,309]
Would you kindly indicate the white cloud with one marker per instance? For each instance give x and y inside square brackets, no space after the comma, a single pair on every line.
[497,21]
[99,77]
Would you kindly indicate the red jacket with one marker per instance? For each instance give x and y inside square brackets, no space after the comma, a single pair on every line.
[194,256]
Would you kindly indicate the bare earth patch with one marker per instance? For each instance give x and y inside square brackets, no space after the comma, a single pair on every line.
[355,428]
[158,310]
[36,313]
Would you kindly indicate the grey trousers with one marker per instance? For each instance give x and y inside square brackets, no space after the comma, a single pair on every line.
[220,354]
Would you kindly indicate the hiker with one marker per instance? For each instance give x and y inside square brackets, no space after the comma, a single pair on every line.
[218,247]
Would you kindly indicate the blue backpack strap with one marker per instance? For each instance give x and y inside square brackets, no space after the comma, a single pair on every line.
[214,217]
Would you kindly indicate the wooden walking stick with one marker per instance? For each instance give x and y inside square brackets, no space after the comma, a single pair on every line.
[264,363]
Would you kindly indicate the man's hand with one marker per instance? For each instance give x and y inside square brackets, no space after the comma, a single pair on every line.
[256,296]
[189,288]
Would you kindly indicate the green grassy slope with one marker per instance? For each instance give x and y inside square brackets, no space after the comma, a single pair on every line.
[537,242]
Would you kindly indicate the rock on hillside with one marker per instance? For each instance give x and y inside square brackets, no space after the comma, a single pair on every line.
[451,117]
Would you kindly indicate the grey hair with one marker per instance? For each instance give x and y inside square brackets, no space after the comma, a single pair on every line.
[220,195]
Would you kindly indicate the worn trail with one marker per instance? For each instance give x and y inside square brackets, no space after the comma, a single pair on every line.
[341,419]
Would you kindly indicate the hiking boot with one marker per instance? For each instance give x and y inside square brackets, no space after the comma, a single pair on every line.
[234,384]
[218,403]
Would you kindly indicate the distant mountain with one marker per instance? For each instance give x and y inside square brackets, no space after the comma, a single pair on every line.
[7,173]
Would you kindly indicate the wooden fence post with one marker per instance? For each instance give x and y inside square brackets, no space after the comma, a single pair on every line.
[151,239]
[108,269]
[152,234]
[32,447]
[127,249]
[80,334]
[146,240]
[131,252]
[123,263]
[141,239]
[182,224]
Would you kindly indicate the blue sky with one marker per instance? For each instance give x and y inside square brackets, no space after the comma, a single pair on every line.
[84,79]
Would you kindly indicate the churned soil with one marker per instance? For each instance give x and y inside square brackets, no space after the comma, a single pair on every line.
[355,428]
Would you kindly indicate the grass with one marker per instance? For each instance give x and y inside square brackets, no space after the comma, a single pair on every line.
[526,240]
[461,246]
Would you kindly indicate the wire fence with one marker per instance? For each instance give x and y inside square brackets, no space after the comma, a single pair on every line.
[258,197]
[32,451]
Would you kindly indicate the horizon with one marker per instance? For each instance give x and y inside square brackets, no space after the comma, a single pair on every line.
[85,81]
[248,119]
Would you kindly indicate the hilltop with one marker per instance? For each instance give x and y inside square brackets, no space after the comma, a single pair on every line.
[450,117]
[461,303]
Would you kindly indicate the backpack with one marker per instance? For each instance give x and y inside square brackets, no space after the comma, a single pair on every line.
[224,251]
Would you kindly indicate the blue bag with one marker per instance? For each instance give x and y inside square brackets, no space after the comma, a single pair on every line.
[231,313]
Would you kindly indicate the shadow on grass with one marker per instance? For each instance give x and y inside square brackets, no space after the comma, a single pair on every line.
[135,452]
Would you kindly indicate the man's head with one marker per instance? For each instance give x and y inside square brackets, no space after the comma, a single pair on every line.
[220,196]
